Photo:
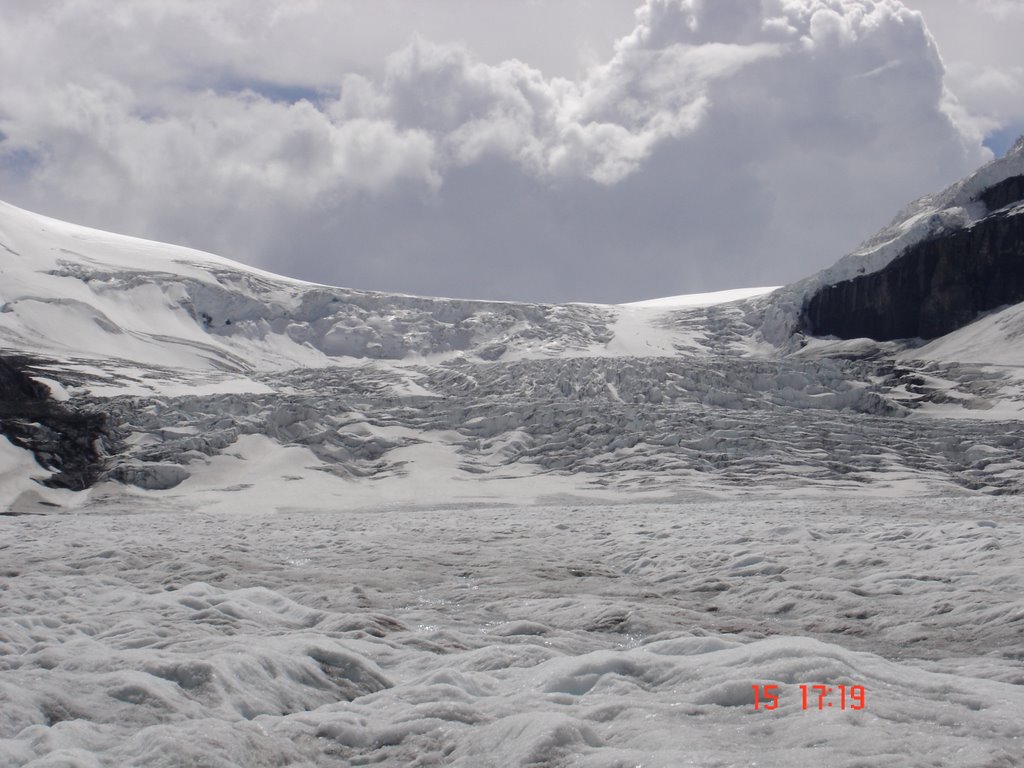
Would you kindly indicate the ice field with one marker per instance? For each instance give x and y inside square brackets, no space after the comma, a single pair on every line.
[562,635]
[249,521]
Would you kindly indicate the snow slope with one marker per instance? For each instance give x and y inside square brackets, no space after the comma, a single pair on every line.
[993,340]
[141,311]
[702,299]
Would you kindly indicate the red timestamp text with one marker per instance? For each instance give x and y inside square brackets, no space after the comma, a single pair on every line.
[819,697]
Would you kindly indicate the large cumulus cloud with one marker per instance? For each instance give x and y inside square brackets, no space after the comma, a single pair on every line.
[723,142]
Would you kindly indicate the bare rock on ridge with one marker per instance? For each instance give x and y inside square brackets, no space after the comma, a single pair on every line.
[935,286]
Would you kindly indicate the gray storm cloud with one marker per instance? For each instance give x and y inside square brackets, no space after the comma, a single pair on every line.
[722,143]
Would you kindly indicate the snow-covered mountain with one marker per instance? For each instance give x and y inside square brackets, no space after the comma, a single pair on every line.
[255,521]
[190,358]
[73,292]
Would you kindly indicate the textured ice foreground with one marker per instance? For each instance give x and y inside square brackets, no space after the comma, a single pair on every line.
[504,636]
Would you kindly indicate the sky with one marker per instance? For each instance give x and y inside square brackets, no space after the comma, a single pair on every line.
[540,150]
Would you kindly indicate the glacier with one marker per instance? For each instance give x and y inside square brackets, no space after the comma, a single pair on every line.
[319,526]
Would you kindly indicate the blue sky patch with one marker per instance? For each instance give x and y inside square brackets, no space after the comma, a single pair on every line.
[1000,141]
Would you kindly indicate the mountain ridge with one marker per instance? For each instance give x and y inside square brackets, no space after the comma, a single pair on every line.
[957,207]
[934,287]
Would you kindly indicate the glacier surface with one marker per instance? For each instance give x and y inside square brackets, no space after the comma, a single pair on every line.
[565,635]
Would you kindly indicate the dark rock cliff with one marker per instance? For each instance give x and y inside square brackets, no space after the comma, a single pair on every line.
[935,286]
[64,440]
[1006,192]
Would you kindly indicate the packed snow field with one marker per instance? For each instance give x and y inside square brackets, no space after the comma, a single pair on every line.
[565,635]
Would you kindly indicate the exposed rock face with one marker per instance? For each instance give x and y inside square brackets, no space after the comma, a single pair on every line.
[66,441]
[935,286]
[1004,193]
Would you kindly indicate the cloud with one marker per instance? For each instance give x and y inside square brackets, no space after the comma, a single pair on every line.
[721,142]
[1002,9]
[990,99]
[981,51]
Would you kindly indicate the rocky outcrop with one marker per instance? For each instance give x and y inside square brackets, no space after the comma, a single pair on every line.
[68,442]
[935,286]
[152,477]
[1006,192]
